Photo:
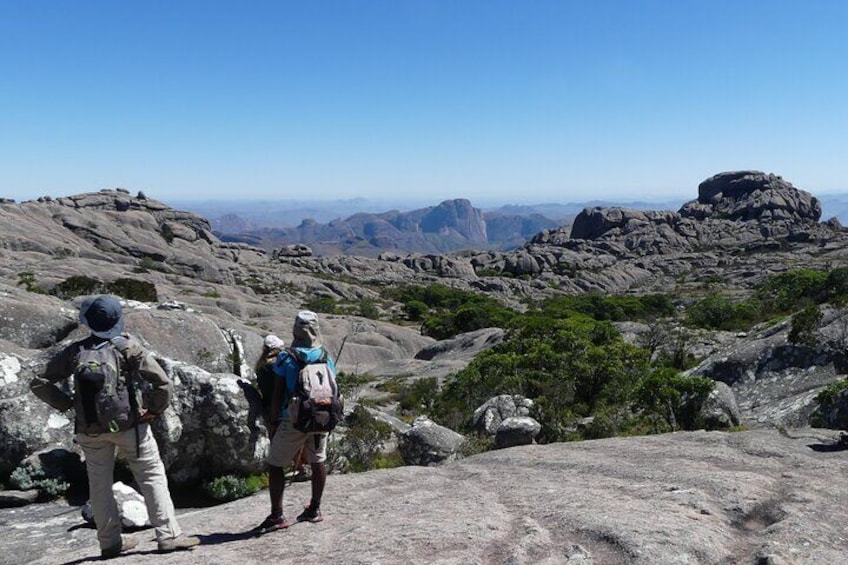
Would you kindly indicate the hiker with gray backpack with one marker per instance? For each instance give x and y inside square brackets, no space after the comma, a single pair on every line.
[110,415]
[305,407]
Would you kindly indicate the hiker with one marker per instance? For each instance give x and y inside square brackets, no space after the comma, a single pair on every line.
[286,439]
[272,346]
[108,354]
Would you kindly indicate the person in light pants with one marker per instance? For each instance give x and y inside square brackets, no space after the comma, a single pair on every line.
[104,317]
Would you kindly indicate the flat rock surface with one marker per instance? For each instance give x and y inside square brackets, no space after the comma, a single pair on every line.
[683,498]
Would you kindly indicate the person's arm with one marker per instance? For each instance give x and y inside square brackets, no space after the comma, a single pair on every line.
[144,364]
[58,368]
[278,367]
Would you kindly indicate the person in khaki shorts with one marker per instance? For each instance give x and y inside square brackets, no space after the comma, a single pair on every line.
[286,441]
[104,317]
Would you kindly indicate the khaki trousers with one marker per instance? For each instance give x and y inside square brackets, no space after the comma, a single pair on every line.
[149,473]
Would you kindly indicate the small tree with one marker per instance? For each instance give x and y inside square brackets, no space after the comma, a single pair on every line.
[805,325]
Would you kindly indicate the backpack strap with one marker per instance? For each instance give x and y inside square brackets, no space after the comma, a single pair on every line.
[122,344]
[300,357]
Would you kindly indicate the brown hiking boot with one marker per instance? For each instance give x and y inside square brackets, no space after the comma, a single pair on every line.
[178,543]
[127,543]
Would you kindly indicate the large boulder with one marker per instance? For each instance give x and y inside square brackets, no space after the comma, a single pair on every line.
[427,443]
[720,410]
[26,424]
[212,427]
[754,195]
[131,507]
[775,383]
[592,223]
[33,320]
[517,430]
[488,417]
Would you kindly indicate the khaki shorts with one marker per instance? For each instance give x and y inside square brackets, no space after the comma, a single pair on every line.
[288,441]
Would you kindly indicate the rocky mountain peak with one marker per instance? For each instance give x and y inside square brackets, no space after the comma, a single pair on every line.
[752,195]
[457,216]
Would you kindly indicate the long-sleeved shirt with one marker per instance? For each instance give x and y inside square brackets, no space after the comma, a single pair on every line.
[138,361]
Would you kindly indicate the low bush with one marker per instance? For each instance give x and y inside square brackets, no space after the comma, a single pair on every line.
[826,400]
[805,325]
[232,487]
[28,280]
[133,289]
[671,400]
[363,442]
[720,313]
[78,285]
[323,304]
[49,482]
[612,308]
[446,312]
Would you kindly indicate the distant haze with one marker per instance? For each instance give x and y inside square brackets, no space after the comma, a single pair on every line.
[289,213]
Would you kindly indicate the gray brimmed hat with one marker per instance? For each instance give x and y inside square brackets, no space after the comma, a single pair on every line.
[103,315]
[306,332]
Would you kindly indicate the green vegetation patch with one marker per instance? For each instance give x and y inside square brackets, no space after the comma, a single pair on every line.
[612,308]
[445,312]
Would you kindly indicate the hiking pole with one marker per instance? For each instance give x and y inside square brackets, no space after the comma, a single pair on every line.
[357,328]
[341,347]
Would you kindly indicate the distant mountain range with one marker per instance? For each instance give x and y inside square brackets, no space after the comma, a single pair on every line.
[449,226]
[353,227]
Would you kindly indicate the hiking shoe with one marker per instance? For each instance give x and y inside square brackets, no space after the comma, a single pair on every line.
[127,543]
[310,515]
[272,523]
[178,543]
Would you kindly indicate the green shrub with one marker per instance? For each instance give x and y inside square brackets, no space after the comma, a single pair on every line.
[476,443]
[794,290]
[27,280]
[720,313]
[826,400]
[612,308]
[364,439]
[348,383]
[446,312]
[672,400]
[837,284]
[572,368]
[367,308]
[415,310]
[805,325]
[418,397]
[231,487]
[390,460]
[49,482]
[78,285]
[167,233]
[323,304]
[133,289]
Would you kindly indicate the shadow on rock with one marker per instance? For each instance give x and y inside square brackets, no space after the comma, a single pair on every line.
[226,537]
[840,444]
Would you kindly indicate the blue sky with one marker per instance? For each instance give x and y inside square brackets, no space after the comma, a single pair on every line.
[498,101]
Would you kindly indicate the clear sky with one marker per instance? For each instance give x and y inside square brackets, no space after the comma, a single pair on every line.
[498,101]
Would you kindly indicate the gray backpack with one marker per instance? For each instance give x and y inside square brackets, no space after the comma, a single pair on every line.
[106,400]
[316,405]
